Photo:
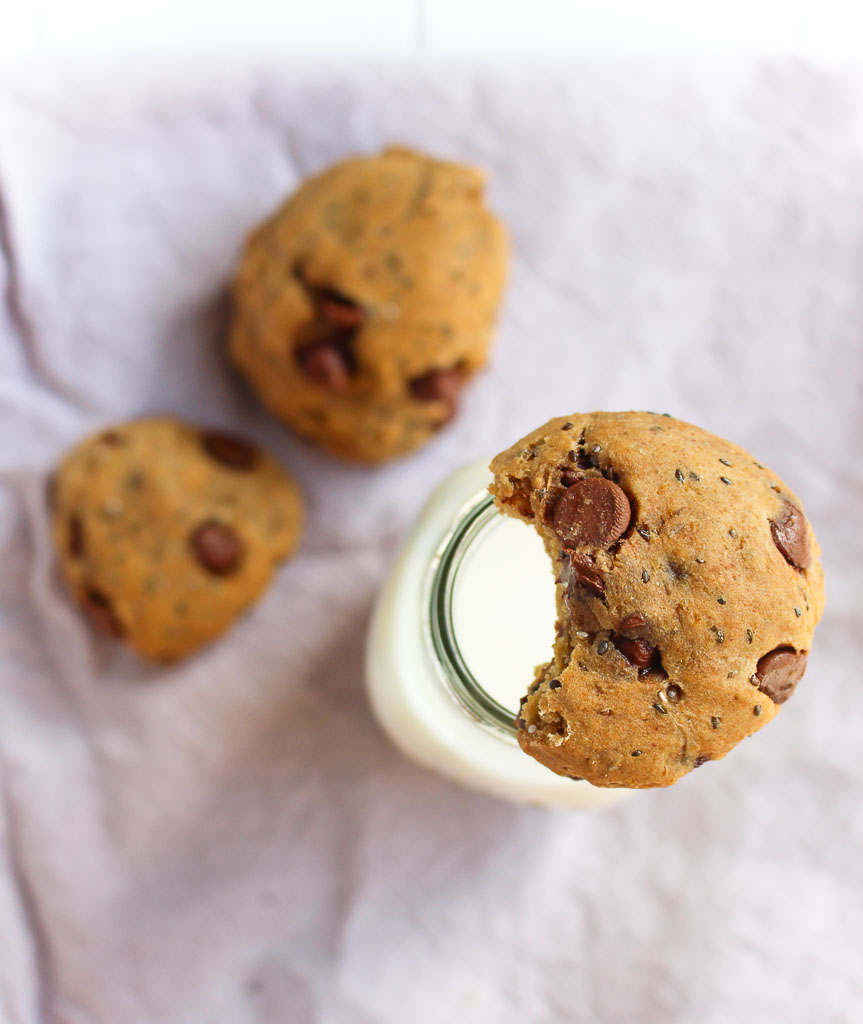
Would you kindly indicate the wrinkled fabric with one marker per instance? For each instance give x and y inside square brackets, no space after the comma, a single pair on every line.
[233,839]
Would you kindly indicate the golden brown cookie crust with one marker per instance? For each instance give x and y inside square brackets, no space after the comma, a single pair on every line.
[166,532]
[659,661]
[377,276]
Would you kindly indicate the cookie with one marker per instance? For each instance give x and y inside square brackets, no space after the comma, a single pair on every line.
[166,532]
[688,589]
[367,302]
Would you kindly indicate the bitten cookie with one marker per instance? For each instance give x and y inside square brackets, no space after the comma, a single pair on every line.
[688,589]
[166,532]
[366,303]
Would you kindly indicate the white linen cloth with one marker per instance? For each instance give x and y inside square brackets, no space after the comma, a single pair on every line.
[232,839]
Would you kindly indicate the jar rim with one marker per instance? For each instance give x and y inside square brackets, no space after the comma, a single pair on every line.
[474,518]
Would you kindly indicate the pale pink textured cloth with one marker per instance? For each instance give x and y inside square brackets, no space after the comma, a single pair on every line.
[233,840]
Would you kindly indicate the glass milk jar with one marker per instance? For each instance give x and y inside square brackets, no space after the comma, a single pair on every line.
[465,616]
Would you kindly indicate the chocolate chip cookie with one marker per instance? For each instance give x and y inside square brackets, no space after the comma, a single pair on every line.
[166,532]
[688,589]
[367,302]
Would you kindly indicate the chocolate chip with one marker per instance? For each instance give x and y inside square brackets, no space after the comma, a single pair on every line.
[637,651]
[634,621]
[218,548]
[439,386]
[99,610]
[779,671]
[230,450]
[567,426]
[76,537]
[341,312]
[791,536]
[593,512]
[555,684]
[579,570]
[324,363]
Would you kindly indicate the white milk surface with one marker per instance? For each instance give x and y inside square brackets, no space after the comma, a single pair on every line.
[504,609]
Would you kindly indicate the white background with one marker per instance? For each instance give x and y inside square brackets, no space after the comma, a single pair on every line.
[831,29]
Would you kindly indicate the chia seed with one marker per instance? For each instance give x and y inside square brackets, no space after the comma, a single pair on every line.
[602,647]
[725,462]
[756,710]
[636,753]
[645,576]
[720,636]
[720,599]
[642,532]
[567,426]
[749,636]
[660,708]
[679,474]
[797,612]
[725,480]
[715,721]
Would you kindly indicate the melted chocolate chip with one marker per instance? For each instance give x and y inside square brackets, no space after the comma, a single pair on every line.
[100,611]
[324,363]
[779,672]
[593,512]
[791,536]
[230,450]
[217,547]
